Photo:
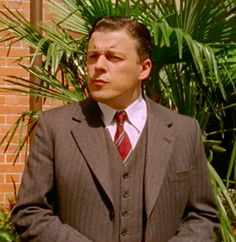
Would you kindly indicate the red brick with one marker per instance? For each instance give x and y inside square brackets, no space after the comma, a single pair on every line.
[24,100]
[16,178]
[14,142]
[13,61]
[10,158]
[3,62]
[14,5]
[8,168]
[2,83]
[2,195]
[7,188]
[2,178]
[11,149]
[12,99]
[13,71]
[13,45]
[2,158]
[11,119]
[15,52]
[21,159]
[2,100]
[3,130]
[13,109]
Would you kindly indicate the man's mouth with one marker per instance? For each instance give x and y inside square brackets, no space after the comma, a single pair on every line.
[99,82]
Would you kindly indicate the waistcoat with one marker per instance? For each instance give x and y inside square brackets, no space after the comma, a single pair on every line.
[127,183]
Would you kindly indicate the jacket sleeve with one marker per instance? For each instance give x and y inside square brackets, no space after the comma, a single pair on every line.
[200,218]
[33,214]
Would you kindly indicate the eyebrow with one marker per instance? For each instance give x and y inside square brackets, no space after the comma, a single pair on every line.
[96,51]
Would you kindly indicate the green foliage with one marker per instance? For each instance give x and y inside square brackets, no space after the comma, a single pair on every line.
[194,69]
[7,231]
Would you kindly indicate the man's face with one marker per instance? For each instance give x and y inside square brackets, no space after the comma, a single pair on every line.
[115,73]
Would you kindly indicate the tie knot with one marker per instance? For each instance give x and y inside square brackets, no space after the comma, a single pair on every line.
[120,117]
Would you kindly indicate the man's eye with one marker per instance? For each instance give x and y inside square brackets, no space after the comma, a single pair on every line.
[114,58]
[92,57]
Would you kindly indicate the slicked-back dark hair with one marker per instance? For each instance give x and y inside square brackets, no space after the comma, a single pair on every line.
[136,30]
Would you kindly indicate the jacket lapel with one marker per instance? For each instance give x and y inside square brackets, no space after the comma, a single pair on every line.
[160,140]
[88,132]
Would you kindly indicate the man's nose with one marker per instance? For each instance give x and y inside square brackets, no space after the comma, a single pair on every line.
[101,62]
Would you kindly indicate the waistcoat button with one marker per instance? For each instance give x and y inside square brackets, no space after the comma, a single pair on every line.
[125,175]
[125,213]
[126,194]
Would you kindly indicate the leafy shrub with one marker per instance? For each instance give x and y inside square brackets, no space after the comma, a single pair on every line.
[7,230]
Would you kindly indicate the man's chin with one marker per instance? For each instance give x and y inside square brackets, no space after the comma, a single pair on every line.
[98,98]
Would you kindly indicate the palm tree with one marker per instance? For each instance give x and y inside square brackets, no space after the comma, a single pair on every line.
[193,71]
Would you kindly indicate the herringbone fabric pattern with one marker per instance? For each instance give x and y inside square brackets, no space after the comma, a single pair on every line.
[121,139]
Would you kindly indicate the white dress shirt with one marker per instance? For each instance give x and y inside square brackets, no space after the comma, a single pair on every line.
[137,116]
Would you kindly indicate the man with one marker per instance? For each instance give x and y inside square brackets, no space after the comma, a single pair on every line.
[96,175]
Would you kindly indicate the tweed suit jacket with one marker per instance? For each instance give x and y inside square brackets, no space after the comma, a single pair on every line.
[66,190]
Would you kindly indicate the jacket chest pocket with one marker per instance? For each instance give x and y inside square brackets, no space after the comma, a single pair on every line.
[180,176]
[178,186]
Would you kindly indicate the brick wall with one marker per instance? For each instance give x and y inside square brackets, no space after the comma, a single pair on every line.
[11,105]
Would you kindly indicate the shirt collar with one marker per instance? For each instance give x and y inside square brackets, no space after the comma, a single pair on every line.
[137,113]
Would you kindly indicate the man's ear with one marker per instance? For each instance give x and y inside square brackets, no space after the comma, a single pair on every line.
[145,69]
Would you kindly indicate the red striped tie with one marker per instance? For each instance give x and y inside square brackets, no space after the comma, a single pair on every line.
[121,139]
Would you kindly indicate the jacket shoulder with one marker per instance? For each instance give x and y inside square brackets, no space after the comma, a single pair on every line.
[165,114]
